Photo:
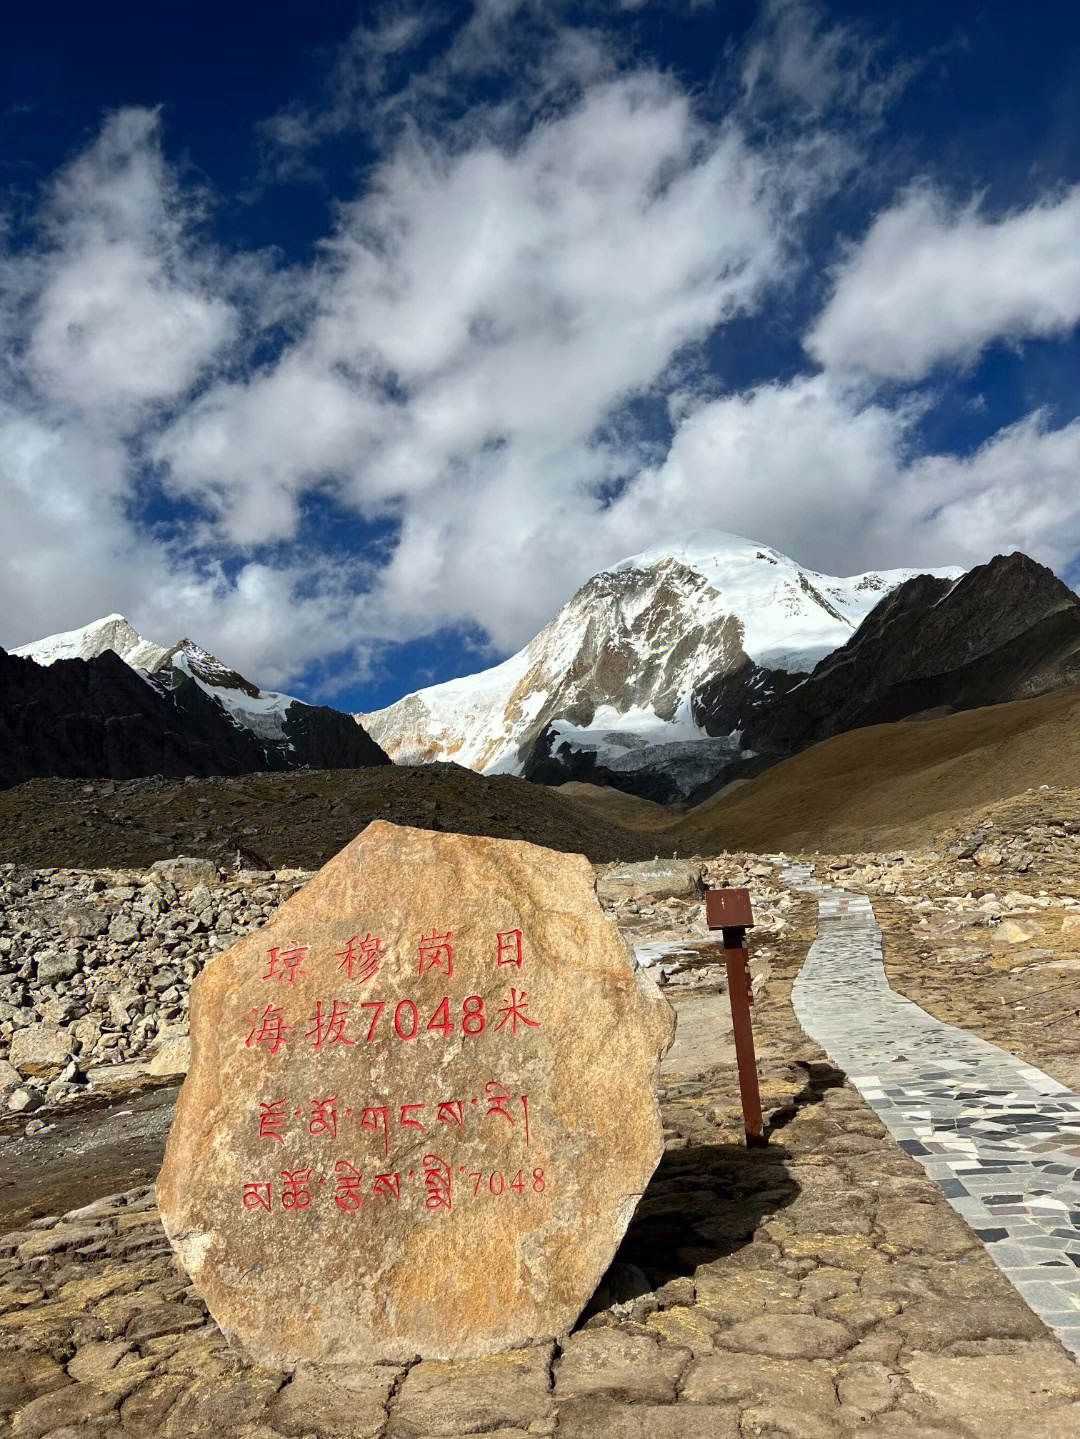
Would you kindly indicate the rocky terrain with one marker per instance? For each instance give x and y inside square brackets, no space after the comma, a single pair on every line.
[96,966]
[984,932]
[672,675]
[270,821]
[1006,630]
[896,786]
[819,1289]
[95,969]
[94,717]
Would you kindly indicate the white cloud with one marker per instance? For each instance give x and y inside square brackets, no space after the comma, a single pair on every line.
[826,473]
[118,312]
[74,554]
[800,59]
[1018,491]
[482,312]
[931,285]
[122,314]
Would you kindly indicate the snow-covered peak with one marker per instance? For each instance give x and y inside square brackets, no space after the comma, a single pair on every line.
[631,645]
[263,712]
[791,616]
[111,633]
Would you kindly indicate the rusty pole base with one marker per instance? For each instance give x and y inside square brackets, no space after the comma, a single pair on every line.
[738,979]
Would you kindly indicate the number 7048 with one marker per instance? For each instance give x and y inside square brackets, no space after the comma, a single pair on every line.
[496,1182]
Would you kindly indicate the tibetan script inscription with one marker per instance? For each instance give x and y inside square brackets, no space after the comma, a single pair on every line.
[421,1106]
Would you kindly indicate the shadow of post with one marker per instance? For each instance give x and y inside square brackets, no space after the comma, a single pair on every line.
[703,1203]
[820,1078]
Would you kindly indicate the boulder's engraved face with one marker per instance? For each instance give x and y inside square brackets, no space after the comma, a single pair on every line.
[421,1106]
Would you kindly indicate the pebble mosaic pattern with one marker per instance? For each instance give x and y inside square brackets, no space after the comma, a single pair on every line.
[1000,1138]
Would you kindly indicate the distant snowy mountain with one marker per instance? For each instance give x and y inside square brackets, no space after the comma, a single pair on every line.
[286,731]
[615,674]
[112,633]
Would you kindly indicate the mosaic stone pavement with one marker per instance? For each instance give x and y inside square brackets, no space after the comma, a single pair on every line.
[1000,1138]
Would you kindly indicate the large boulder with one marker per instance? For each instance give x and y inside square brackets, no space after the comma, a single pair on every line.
[186,871]
[40,1051]
[421,1107]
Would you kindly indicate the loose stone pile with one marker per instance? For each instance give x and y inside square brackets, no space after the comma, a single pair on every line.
[95,968]
[661,910]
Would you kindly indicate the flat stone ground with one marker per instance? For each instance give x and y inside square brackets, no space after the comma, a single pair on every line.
[83,1155]
[821,1287]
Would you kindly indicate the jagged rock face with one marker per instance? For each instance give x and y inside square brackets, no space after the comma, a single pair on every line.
[233,727]
[96,717]
[617,667]
[1007,630]
[289,735]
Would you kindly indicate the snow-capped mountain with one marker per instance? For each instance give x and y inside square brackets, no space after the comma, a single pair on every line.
[111,633]
[286,731]
[616,671]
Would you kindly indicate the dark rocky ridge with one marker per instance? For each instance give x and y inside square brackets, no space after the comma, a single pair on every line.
[98,718]
[1006,630]
[313,736]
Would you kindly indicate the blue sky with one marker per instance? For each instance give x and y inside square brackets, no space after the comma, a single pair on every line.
[349,343]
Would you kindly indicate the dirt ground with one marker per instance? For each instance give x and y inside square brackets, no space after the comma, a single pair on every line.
[821,1288]
[300,818]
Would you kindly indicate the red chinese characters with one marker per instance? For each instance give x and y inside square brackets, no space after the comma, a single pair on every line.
[436,952]
[329,1028]
[360,958]
[325,1124]
[284,963]
[509,947]
[513,1013]
[268,1029]
[407,1019]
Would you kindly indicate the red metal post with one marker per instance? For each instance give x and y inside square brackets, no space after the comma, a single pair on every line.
[729,910]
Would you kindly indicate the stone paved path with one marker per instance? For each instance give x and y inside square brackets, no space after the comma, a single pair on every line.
[1001,1138]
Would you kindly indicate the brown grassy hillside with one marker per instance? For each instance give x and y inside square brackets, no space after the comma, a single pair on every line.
[896,785]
